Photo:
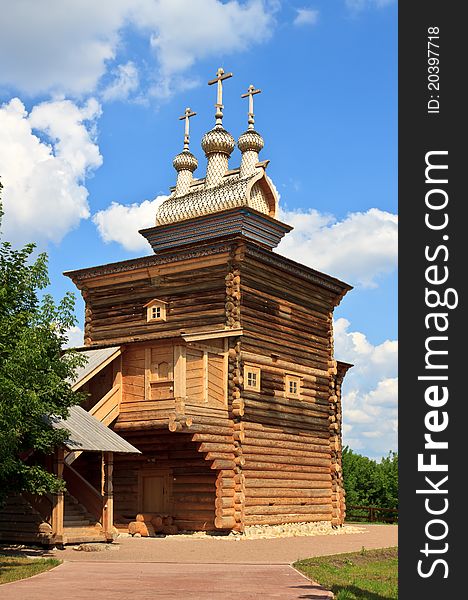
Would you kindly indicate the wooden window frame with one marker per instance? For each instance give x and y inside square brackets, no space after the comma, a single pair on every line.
[289,378]
[248,369]
[154,305]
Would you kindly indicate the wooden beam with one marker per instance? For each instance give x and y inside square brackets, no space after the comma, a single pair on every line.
[209,335]
[58,502]
[108,494]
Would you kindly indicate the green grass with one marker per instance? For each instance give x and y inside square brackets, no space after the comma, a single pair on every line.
[369,574]
[13,568]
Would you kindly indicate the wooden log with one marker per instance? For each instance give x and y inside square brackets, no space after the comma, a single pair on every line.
[310,509]
[251,450]
[169,529]
[188,478]
[225,522]
[272,493]
[214,439]
[222,464]
[263,470]
[294,460]
[138,527]
[225,502]
[193,498]
[284,518]
[290,420]
[215,448]
[262,446]
[157,522]
[193,525]
[285,433]
[292,502]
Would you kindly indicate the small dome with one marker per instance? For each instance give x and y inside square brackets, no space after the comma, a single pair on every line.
[218,140]
[250,140]
[185,161]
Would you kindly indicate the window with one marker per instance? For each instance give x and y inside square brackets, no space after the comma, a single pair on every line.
[156,310]
[252,378]
[293,386]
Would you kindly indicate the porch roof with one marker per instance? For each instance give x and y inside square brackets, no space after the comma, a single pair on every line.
[87,433]
[97,359]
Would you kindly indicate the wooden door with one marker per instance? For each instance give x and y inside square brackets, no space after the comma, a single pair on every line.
[155,492]
[160,373]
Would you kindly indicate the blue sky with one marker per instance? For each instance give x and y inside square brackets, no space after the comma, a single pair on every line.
[89,103]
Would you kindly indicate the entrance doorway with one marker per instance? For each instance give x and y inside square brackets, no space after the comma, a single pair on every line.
[155,492]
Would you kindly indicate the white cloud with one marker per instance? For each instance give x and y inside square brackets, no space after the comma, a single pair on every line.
[120,223]
[211,28]
[306,16]
[75,337]
[44,158]
[58,45]
[370,391]
[65,47]
[358,249]
[125,82]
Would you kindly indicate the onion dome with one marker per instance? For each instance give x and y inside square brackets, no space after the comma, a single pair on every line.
[250,140]
[185,161]
[218,140]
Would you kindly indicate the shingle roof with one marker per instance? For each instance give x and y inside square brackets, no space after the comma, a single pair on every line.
[87,433]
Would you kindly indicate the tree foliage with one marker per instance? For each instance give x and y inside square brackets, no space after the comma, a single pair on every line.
[370,483]
[33,369]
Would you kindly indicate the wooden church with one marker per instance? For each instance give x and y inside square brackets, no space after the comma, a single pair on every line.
[214,397]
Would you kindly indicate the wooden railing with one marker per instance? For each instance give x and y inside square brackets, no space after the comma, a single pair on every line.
[108,407]
[84,492]
[42,504]
[371,514]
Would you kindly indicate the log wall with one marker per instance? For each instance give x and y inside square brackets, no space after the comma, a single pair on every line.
[193,483]
[265,456]
[290,445]
[193,289]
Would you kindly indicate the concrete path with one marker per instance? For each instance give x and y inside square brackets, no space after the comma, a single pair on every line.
[178,568]
[138,581]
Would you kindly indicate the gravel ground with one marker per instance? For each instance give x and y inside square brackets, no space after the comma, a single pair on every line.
[236,549]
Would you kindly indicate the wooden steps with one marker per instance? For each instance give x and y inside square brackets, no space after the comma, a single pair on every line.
[19,522]
[79,526]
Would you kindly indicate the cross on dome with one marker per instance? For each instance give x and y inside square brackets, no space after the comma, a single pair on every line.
[220,77]
[250,94]
[186,116]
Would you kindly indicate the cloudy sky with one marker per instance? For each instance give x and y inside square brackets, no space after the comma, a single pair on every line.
[90,95]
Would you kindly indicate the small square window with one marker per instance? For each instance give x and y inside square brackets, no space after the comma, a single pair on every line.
[293,386]
[156,310]
[252,378]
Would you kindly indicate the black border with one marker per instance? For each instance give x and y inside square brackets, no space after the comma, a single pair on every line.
[420,132]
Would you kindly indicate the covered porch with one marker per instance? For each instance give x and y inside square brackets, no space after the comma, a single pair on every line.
[83,512]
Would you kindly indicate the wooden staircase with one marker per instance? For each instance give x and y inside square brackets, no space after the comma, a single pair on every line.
[79,526]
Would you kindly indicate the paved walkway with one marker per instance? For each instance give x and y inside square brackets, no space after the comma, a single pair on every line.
[138,581]
[179,568]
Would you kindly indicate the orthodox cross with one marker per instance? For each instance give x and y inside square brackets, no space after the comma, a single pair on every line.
[220,77]
[250,94]
[186,116]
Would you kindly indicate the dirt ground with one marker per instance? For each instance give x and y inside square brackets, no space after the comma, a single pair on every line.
[206,550]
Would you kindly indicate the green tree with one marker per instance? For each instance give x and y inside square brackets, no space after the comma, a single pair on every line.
[387,482]
[370,483]
[33,370]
